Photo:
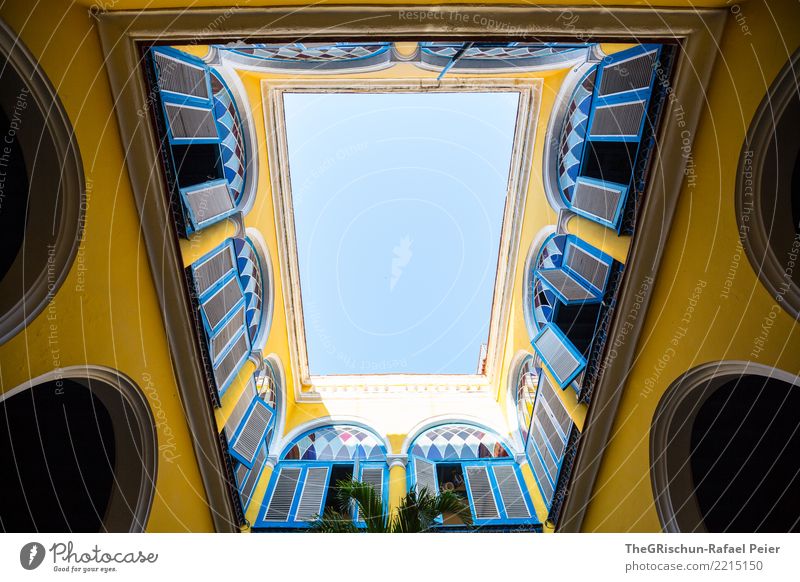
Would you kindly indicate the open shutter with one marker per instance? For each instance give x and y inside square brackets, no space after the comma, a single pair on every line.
[248,484]
[208,271]
[227,333]
[228,367]
[630,70]
[191,123]
[484,504]
[425,473]
[180,77]
[313,493]
[221,303]
[372,476]
[280,503]
[599,199]
[207,202]
[240,410]
[251,435]
[558,354]
[511,492]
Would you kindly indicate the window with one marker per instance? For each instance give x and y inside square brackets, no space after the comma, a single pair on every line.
[526,382]
[251,426]
[549,439]
[571,279]
[603,155]
[303,483]
[475,465]
[229,284]
[202,141]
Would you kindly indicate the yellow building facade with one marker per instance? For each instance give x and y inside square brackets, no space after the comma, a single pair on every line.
[646,268]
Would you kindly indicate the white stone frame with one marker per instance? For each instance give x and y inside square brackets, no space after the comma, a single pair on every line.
[527,117]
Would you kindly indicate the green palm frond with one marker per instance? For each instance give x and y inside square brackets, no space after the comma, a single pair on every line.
[417,511]
[368,504]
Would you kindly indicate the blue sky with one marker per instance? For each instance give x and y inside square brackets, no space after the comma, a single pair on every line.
[398,206]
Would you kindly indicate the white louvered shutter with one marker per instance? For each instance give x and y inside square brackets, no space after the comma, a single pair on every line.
[372,476]
[558,358]
[212,269]
[240,409]
[280,503]
[220,303]
[425,472]
[189,122]
[484,504]
[231,362]
[511,492]
[252,433]
[208,201]
[313,494]
[177,76]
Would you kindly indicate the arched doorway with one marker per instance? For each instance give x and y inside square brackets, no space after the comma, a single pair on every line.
[724,450]
[78,454]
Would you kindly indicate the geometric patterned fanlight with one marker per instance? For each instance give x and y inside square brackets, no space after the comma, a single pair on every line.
[544,299]
[458,441]
[229,129]
[574,134]
[311,52]
[250,275]
[336,443]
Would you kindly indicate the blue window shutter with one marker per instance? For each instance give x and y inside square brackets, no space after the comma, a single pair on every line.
[283,493]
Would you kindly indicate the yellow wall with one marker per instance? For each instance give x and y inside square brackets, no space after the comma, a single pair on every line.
[700,251]
[106,313]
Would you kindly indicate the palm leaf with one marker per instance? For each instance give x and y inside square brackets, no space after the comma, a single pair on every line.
[368,504]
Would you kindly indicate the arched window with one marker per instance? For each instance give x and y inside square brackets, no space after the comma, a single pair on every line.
[42,199]
[201,136]
[229,287]
[77,454]
[768,189]
[551,445]
[476,465]
[723,450]
[570,282]
[605,137]
[526,381]
[303,483]
[252,424]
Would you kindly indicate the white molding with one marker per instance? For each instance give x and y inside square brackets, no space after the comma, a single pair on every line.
[397,460]
[519,174]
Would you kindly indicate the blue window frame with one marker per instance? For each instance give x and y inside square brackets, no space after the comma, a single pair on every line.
[295,506]
[300,486]
[190,119]
[558,354]
[486,476]
[221,304]
[548,438]
[582,274]
[620,102]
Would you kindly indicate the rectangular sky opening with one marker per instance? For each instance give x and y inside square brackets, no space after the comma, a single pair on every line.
[398,201]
